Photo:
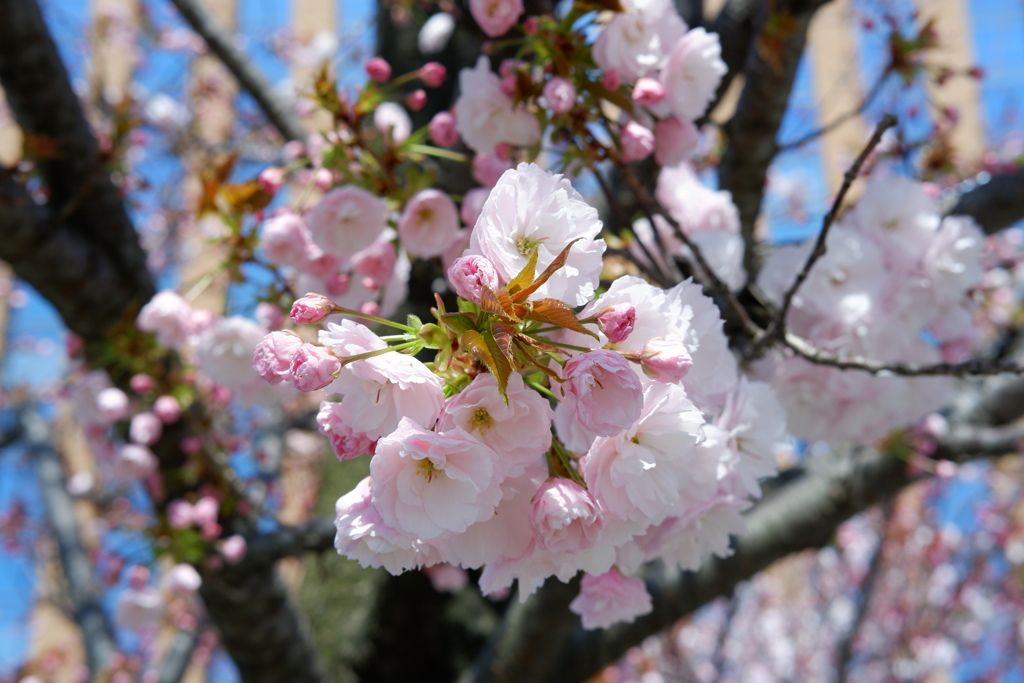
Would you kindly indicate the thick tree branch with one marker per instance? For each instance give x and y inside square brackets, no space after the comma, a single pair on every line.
[178,656]
[315,536]
[83,587]
[241,67]
[770,71]
[995,204]
[81,195]
[735,28]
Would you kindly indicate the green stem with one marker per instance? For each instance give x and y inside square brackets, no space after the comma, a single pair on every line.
[376,352]
[373,318]
[430,150]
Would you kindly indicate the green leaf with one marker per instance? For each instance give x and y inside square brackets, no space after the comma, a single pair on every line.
[458,323]
[488,352]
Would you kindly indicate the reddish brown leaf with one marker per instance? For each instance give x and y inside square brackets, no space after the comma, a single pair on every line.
[487,351]
[525,276]
[555,312]
[552,268]
[503,334]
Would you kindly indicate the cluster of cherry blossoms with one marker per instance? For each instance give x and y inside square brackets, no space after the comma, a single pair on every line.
[539,441]
[896,284]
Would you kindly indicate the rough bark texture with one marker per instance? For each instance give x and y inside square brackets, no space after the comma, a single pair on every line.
[769,74]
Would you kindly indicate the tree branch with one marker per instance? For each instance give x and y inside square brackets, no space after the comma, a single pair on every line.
[178,657]
[996,203]
[83,588]
[241,67]
[735,28]
[753,129]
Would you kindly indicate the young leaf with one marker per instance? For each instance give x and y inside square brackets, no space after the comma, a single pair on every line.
[459,323]
[525,276]
[552,268]
[503,334]
[555,312]
[487,351]
[499,303]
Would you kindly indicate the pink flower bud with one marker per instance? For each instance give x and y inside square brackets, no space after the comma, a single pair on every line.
[323,179]
[674,141]
[167,409]
[311,308]
[648,92]
[442,129]
[611,79]
[637,142]
[665,361]
[530,26]
[496,17]
[432,74]
[145,428]
[416,100]
[273,356]
[503,151]
[560,95]
[233,549]
[617,321]
[142,384]
[112,404]
[204,512]
[565,516]
[487,168]
[378,69]
[179,514]
[271,179]
[314,367]
[470,274]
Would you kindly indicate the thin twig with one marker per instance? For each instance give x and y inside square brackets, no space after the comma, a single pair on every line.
[806,350]
[777,328]
[829,127]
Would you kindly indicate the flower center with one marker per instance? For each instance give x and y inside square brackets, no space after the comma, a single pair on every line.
[481,420]
[427,470]
[525,246]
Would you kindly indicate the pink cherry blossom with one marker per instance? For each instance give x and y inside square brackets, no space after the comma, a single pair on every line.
[182,579]
[519,432]
[496,17]
[565,517]
[271,179]
[286,240]
[112,404]
[334,424]
[273,356]
[346,220]
[488,168]
[179,514]
[611,598]
[560,95]
[636,42]
[225,353]
[637,142]
[435,33]
[675,140]
[692,73]
[314,367]
[134,462]
[168,316]
[602,390]
[428,224]
[430,484]
[233,549]
[531,208]
[665,361]
[473,204]
[648,92]
[145,428]
[442,129]
[485,115]
[393,122]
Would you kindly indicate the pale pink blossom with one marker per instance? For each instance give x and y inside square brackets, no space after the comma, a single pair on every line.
[560,95]
[286,240]
[675,140]
[430,484]
[273,356]
[611,79]
[168,316]
[347,220]
[445,578]
[225,353]
[182,579]
[645,472]
[435,33]
[142,384]
[378,69]
[531,209]
[470,274]
[311,308]
[473,204]
[364,537]
[636,41]
[269,315]
[442,129]
[233,549]
[314,367]
[488,168]
[648,92]
[393,122]
[665,361]
[346,442]
[565,517]
[692,73]
[145,428]
[112,404]
[637,142]
[179,514]
[134,462]
[617,321]
[205,511]
[496,17]
[611,598]
[603,391]
[271,179]
[485,115]
[428,224]
[139,608]
[398,384]
[519,431]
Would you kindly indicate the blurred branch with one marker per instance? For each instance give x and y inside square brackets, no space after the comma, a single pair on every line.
[735,28]
[843,118]
[314,536]
[83,587]
[178,657]
[995,204]
[242,68]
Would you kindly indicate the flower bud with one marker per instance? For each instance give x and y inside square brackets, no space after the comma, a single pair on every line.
[637,142]
[611,79]
[665,361]
[648,92]
[417,99]
[432,74]
[560,95]
[314,367]
[311,308]
[273,356]
[378,69]
[167,409]
[271,179]
[442,129]
[617,321]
